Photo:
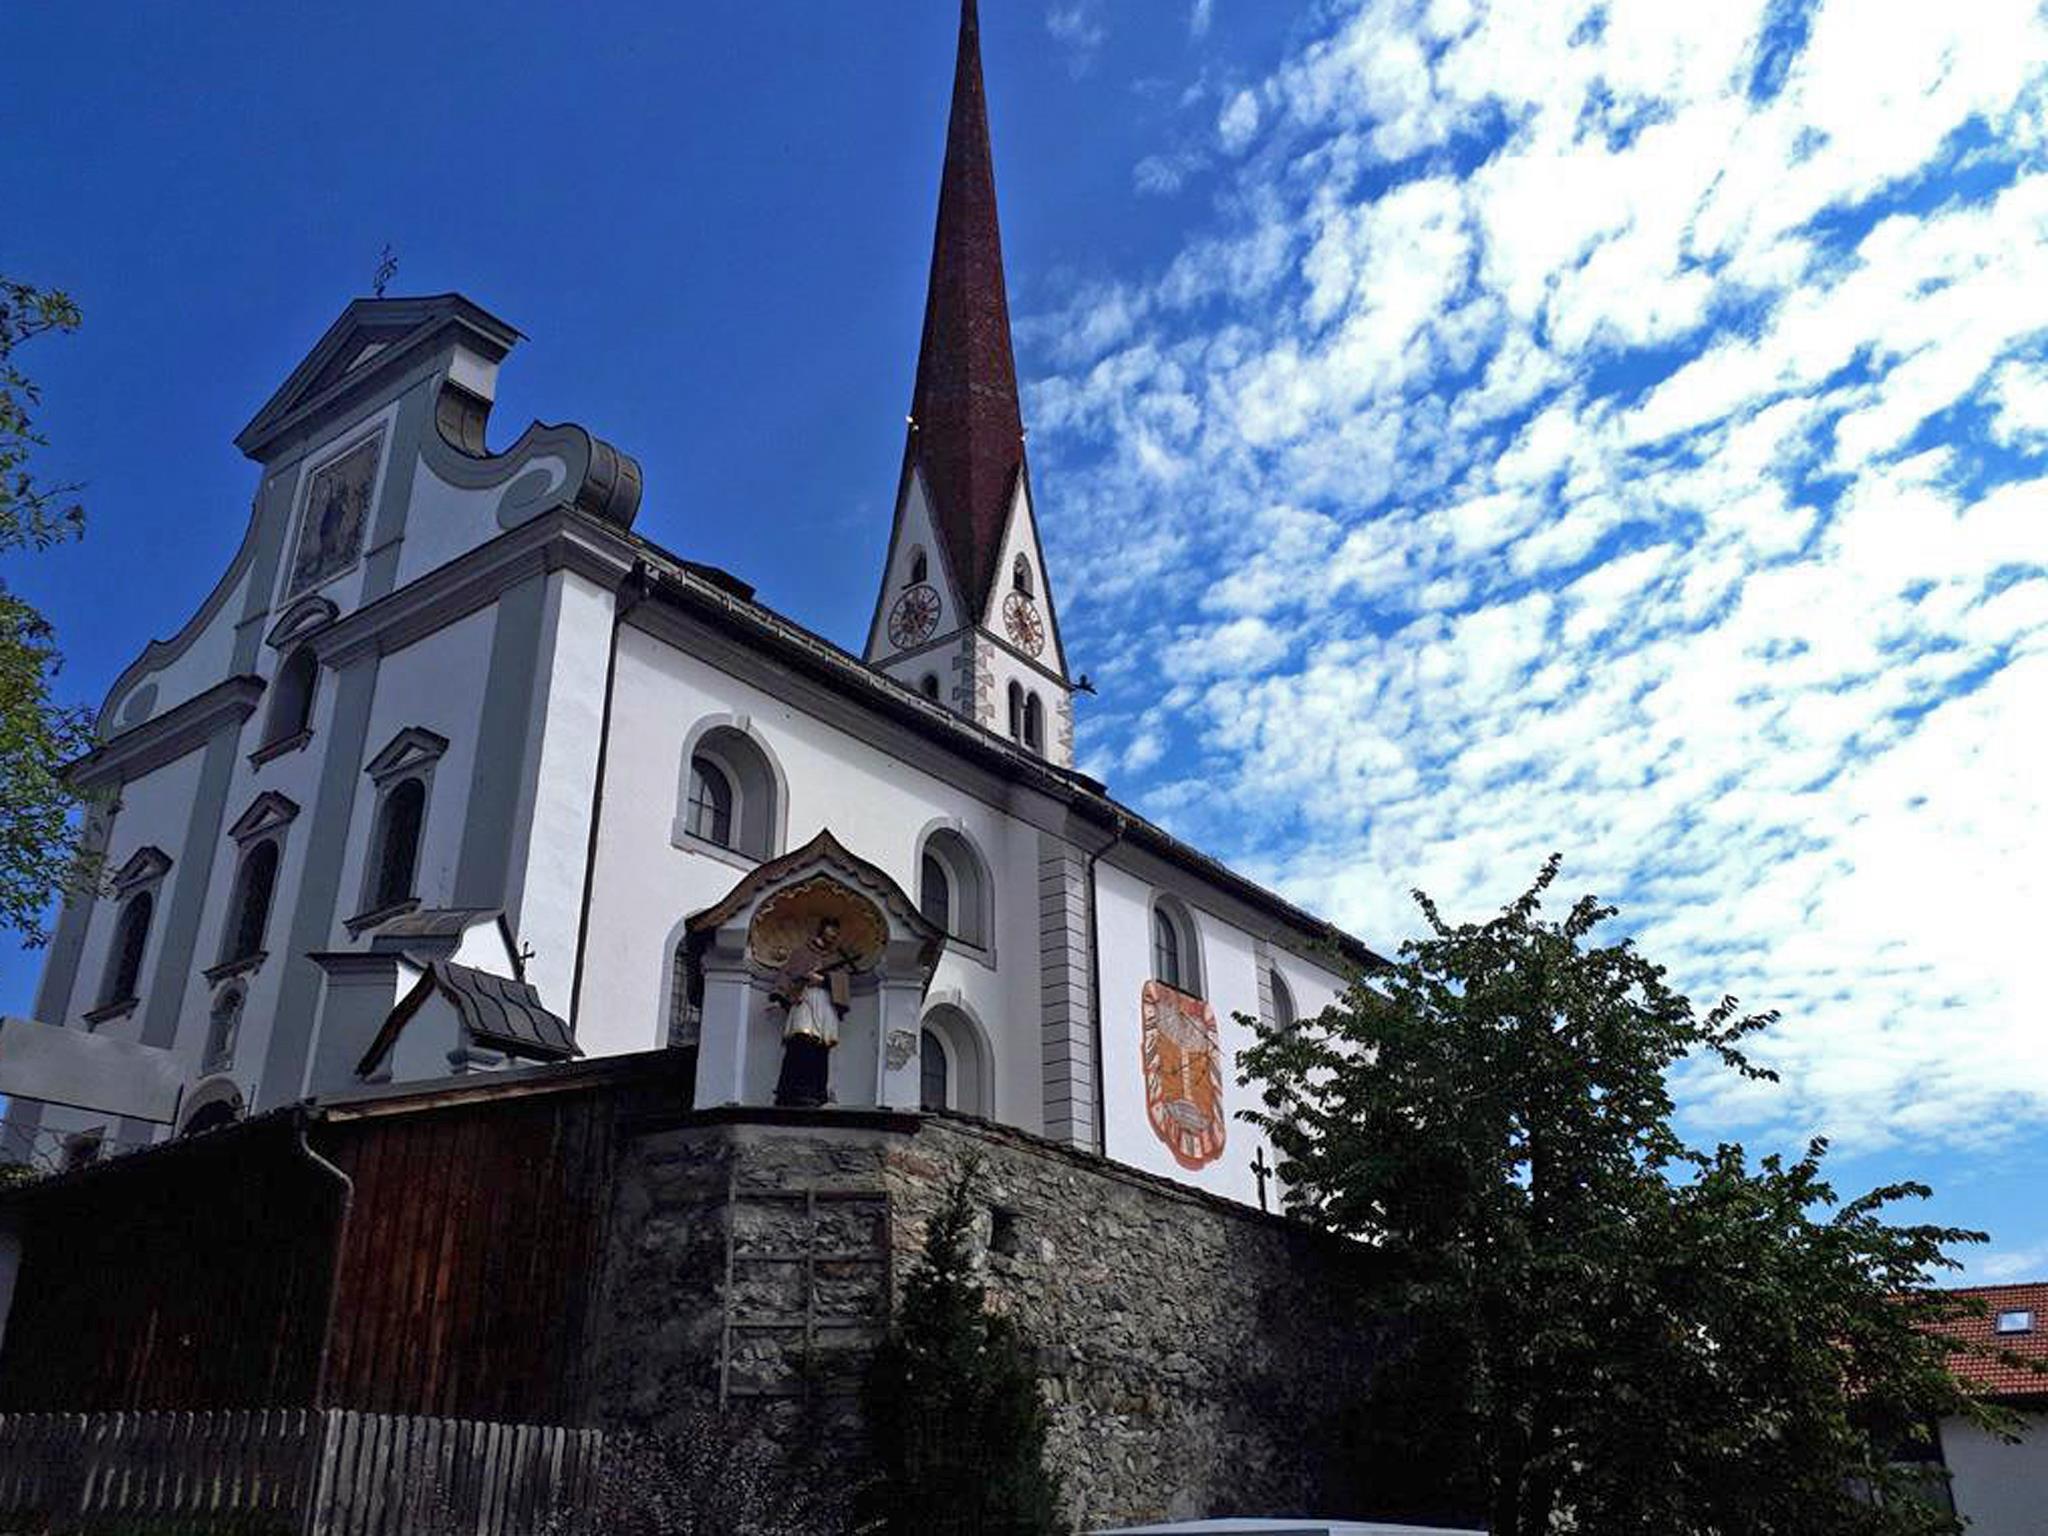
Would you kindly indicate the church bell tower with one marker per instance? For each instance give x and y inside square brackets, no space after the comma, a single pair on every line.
[965,613]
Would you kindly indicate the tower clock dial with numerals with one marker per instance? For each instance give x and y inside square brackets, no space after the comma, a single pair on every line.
[914,618]
[1021,619]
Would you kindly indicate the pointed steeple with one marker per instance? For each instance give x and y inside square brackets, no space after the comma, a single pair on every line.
[967,430]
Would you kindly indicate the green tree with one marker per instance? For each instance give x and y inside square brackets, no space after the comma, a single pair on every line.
[39,833]
[1608,1328]
[956,1425]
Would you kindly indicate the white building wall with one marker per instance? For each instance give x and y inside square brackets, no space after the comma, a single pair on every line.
[435,683]
[876,804]
[1230,983]
[155,810]
[544,902]
[2001,1489]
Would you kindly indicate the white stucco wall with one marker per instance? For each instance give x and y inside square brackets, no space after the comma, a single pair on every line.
[435,683]
[874,803]
[2001,1489]
[155,810]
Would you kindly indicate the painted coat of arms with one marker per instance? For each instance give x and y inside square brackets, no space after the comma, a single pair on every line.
[337,507]
[1183,1075]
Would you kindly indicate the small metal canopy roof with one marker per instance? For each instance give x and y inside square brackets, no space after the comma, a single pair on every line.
[496,1012]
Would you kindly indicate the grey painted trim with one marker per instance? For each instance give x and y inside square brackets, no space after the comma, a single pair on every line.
[559,540]
[982,950]
[1066,1023]
[599,480]
[165,1000]
[300,619]
[409,327]
[410,427]
[67,945]
[298,999]
[504,757]
[149,746]
[742,726]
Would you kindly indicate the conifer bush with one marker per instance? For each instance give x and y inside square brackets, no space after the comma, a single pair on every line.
[955,1421]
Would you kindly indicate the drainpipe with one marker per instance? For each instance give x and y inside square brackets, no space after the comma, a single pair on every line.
[1095,986]
[628,597]
[348,1197]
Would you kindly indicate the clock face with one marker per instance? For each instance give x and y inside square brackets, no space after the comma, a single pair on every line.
[914,617]
[1020,618]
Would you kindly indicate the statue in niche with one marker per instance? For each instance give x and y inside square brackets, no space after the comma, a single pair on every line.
[813,988]
[337,509]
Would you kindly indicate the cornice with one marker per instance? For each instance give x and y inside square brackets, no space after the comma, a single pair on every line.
[559,540]
[185,727]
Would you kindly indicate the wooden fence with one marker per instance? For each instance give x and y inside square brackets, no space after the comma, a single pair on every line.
[308,1472]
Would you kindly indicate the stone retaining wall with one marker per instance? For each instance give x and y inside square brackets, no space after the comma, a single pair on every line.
[1191,1350]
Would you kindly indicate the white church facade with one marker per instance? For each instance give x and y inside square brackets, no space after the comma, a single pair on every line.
[454,772]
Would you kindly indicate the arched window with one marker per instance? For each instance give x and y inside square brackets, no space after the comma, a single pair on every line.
[291,698]
[124,960]
[1283,1000]
[953,887]
[731,793]
[1020,575]
[933,1071]
[249,910]
[1167,955]
[398,843]
[928,685]
[1034,723]
[685,1000]
[1016,711]
[935,893]
[953,1064]
[223,1024]
[920,568]
[218,1115]
[710,802]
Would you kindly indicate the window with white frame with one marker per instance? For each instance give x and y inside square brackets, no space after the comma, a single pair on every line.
[403,773]
[953,888]
[1176,947]
[731,794]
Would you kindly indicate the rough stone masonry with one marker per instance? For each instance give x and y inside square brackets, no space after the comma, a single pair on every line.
[1192,1352]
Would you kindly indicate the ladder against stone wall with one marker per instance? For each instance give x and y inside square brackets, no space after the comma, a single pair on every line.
[310,1472]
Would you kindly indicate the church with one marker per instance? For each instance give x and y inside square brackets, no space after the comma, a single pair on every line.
[538,993]
[454,773]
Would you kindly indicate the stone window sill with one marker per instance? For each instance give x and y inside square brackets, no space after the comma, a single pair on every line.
[241,965]
[967,949]
[363,922]
[682,837]
[278,748]
[106,1013]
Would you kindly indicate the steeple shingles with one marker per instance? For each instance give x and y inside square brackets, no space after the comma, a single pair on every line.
[967,430]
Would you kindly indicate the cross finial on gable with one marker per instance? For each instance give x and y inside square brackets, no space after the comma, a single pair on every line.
[387,269]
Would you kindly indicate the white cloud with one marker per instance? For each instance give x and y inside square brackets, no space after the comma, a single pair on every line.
[1571,449]
[1078,26]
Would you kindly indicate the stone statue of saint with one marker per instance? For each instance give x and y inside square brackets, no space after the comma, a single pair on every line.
[814,991]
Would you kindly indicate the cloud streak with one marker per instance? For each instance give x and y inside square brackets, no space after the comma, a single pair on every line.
[1620,428]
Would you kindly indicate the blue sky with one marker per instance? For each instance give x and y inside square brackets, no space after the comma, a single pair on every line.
[1461,429]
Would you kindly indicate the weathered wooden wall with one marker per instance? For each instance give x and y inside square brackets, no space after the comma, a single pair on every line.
[467,1266]
[191,1277]
[198,1275]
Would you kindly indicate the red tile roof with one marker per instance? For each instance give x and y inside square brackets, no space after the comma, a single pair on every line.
[967,432]
[1990,1375]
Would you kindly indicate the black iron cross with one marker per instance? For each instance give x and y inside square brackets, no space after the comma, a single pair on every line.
[387,269]
[1262,1171]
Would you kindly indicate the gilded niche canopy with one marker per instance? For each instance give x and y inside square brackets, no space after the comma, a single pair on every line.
[792,915]
[337,512]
